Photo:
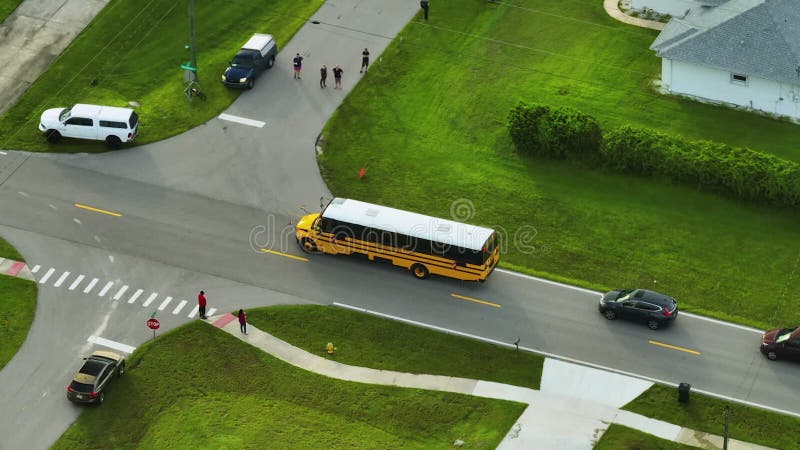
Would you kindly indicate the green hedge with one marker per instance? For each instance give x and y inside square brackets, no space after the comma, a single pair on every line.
[746,173]
[555,132]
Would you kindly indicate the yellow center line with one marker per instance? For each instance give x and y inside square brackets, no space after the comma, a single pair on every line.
[661,344]
[98,210]
[482,302]
[284,254]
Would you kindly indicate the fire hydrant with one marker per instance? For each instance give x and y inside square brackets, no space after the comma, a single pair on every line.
[330,348]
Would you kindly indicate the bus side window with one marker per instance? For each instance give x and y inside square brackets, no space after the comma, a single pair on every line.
[389,239]
[357,231]
[422,246]
[371,235]
[327,225]
[439,249]
[475,257]
[401,241]
[456,253]
[342,230]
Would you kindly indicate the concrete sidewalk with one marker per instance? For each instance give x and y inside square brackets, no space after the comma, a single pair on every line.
[612,9]
[553,419]
[33,36]
[15,269]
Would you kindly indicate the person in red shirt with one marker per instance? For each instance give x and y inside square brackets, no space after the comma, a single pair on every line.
[242,321]
[201,304]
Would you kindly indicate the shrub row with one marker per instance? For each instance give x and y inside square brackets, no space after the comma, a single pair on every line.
[564,133]
[555,132]
[746,173]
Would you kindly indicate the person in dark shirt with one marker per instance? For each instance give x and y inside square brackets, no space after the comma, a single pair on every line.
[298,66]
[323,75]
[364,61]
[337,76]
[242,321]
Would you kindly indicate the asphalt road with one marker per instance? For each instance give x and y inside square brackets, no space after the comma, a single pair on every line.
[196,210]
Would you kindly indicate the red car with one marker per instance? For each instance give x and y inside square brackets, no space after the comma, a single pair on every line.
[781,344]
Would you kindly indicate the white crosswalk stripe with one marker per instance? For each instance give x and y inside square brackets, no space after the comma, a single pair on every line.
[135,296]
[61,279]
[47,275]
[150,299]
[36,268]
[211,311]
[179,307]
[164,303]
[90,286]
[76,282]
[105,289]
[194,311]
[120,292]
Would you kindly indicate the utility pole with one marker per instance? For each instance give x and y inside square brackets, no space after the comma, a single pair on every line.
[193,48]
[725,436]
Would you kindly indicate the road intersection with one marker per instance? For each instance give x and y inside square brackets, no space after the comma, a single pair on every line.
[195,212]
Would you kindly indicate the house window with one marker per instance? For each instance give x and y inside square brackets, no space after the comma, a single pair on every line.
[738,78]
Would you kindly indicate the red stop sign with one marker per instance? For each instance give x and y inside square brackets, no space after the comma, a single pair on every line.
[153,324]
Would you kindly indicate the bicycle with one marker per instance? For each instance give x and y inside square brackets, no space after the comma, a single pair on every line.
[193,90]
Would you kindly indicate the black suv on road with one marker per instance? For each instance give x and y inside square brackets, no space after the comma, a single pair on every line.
[641,305]
[94,376]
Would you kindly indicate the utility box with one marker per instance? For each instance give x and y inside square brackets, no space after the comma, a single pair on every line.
[683,392]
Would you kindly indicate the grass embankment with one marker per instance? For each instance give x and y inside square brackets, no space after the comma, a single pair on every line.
[7,7]
[17,307]
[198,387]
[133,50]
[438,134]
[8,251]
[707,414]
[369,341]
[618,437]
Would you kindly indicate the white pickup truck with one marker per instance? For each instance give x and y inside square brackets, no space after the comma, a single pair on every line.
[103,123]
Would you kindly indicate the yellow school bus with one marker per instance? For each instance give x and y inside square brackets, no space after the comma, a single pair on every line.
[422,244]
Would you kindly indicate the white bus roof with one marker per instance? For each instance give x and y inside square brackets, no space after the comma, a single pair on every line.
[412,224]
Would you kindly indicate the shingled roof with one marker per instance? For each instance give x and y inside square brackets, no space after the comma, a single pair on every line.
[752,37]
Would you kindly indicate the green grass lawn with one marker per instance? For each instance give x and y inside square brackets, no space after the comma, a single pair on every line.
[707,414]
[132,52]
[198,387]
[369,341]
[429,124]
[17,308]
[618,437]
[7,7]
[8,251]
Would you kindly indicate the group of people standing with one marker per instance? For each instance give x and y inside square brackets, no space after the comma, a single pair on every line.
[297,63]
[201,309]
[337,76]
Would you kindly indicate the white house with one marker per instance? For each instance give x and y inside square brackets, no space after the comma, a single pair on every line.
[737,52]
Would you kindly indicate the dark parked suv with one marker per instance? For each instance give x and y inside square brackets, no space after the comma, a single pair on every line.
[641,305]
[94,376]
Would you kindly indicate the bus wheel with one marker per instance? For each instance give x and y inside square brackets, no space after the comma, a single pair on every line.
[420,272]
[308,245]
